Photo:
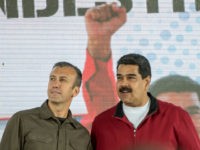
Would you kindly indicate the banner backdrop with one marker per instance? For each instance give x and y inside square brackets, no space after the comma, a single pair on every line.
[34,34]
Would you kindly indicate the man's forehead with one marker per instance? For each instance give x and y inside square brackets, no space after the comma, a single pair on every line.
[128,71]
[183,99]
[63,71]
[127,66]
[184,94]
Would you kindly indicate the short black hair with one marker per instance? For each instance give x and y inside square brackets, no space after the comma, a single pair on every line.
[136,59]
[78,71]
[174,83]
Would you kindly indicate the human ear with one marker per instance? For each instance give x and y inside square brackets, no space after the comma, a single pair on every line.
[76,90]
[148,81]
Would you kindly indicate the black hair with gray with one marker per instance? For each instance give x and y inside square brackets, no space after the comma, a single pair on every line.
[174,83]
[136,59]
[78,71]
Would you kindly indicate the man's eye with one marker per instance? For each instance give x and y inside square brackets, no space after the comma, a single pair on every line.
[131,77]
[51,79]
[119,78]
[63,80]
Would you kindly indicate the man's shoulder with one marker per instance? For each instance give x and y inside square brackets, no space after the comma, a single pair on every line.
[169,107]
[27,112]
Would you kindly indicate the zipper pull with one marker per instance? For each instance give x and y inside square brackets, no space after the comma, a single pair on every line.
[134,132]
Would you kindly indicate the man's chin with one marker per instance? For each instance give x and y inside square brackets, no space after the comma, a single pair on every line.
[125,101]
[54,101]
[124,98]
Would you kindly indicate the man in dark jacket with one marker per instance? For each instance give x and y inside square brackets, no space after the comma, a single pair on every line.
[51,126]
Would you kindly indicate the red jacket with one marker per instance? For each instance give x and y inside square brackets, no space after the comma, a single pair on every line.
[165,127]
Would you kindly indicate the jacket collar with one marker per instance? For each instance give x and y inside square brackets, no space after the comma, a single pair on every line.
[153,107]
[46,113]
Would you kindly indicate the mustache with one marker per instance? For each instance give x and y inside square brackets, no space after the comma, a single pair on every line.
[125,89]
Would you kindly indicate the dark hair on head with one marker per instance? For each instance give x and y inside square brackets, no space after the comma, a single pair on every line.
[174,83]
[78,72]
[136,59]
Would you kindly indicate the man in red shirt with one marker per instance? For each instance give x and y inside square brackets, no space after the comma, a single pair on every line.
[158,123]
[139,118]
[98,76]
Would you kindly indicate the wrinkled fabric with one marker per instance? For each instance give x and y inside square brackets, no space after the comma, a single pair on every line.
[166,127]
[38,129]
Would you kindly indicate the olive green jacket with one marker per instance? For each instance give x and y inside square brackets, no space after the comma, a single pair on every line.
[39,129]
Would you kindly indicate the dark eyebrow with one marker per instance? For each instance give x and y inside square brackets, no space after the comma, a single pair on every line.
[131,74]
[127,74]
[63,76]
[51,76]
[193,109]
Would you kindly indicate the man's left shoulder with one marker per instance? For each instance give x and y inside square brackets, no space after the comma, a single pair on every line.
[170,107]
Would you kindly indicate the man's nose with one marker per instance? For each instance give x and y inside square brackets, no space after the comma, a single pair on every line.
[124,82]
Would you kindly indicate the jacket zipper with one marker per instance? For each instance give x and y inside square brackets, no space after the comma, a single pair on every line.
[134,132]
[146,118]
[135,129]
